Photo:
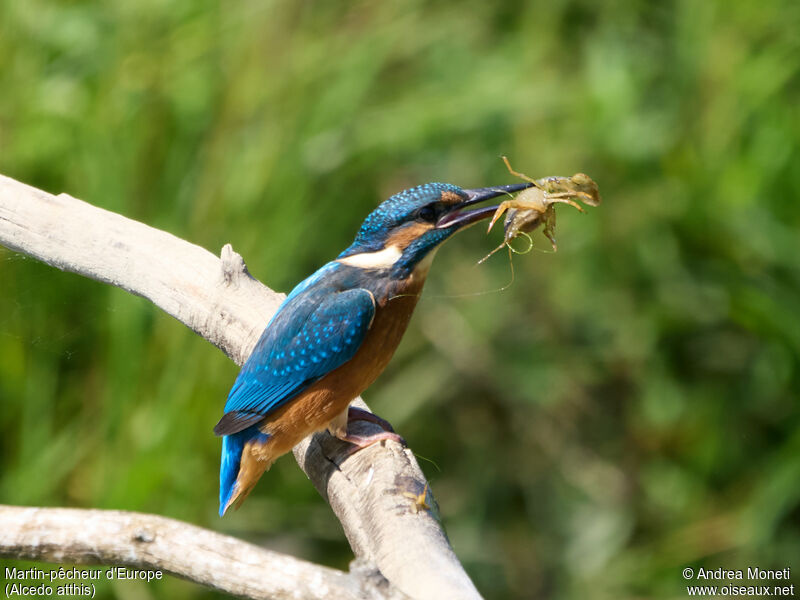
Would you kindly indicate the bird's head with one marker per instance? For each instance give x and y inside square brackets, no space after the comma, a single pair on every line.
[404,229]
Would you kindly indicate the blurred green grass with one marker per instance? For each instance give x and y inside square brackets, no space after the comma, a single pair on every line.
[627,407]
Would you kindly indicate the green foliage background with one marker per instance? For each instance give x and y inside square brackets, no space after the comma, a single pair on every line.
[628,407]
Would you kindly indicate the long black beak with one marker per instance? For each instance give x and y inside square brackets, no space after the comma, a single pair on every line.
[459,217]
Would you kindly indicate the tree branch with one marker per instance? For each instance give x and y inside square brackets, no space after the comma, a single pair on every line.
[74,536]
[218,299]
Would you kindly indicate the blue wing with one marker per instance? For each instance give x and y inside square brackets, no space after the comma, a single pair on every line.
[315,331]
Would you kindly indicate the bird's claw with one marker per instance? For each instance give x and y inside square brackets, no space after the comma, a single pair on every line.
[359,414]
[360,442]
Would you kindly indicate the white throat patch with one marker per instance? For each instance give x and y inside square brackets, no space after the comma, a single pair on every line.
[382,259]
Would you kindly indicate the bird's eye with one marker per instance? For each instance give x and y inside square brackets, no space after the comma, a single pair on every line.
[427,214]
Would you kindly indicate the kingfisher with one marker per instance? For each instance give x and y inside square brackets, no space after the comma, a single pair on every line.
[336,332]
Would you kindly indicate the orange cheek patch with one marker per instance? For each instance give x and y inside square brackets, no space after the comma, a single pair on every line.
[403,237]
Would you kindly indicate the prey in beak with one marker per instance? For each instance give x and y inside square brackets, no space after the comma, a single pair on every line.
[457,216]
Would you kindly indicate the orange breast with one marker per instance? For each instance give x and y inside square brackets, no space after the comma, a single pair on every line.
[315,408]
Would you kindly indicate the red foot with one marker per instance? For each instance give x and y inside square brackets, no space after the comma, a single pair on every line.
[362,441]
[359,414]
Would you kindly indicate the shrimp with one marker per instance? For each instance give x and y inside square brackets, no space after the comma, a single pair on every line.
[535,206]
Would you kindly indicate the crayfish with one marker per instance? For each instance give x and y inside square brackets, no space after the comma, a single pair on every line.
[535,206]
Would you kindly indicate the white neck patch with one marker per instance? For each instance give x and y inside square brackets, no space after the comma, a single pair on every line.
[382,259]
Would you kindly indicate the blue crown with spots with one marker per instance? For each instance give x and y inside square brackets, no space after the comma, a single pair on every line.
[397,210]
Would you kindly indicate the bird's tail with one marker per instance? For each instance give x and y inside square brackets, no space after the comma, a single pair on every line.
[238,470]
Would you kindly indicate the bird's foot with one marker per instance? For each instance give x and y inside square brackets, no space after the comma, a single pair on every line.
[362,441]
[359,414]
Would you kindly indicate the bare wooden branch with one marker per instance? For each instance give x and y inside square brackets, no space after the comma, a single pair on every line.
[74,536]
[219,300]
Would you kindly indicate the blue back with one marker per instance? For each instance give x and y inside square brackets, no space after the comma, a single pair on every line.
[316,330]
